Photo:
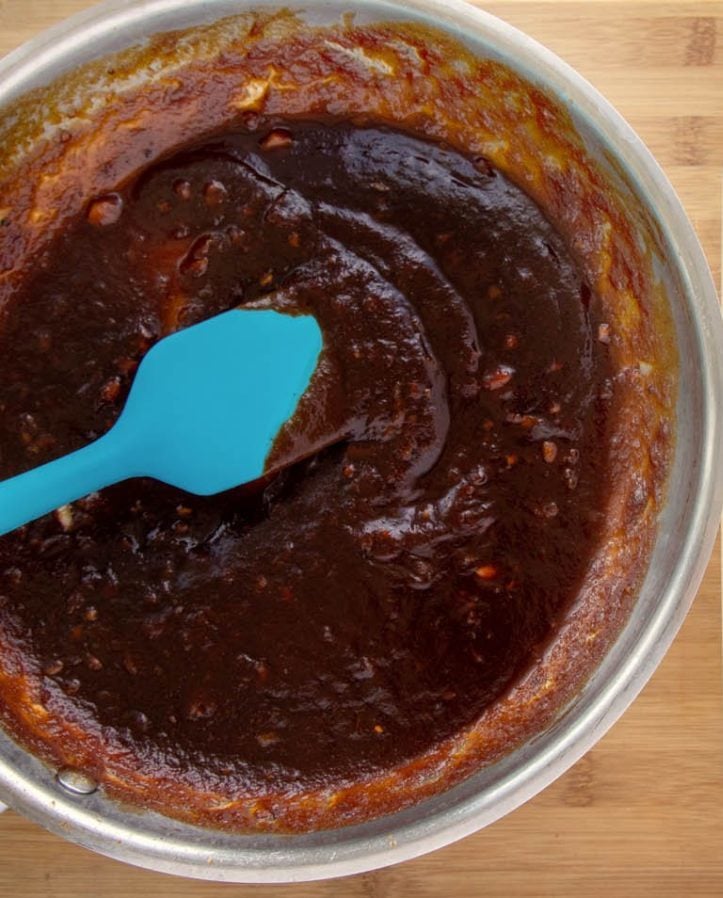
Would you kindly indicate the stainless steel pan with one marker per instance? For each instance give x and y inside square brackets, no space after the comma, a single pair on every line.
[69,806]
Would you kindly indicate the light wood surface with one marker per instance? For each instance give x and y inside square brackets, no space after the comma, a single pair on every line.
[641,814]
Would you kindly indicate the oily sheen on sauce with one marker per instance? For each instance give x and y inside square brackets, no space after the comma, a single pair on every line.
[372,600]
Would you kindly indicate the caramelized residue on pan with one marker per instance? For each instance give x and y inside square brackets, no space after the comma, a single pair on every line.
[432,587]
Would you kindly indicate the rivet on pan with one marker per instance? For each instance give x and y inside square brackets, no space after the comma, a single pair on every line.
[76,782]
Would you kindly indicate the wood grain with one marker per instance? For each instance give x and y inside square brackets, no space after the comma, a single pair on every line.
[641,814]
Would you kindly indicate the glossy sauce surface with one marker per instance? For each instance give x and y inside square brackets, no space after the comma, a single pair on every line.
[377,597]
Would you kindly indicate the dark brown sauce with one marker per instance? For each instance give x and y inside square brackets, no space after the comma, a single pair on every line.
[376,598]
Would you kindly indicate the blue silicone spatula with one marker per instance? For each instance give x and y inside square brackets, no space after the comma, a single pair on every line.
[204,409]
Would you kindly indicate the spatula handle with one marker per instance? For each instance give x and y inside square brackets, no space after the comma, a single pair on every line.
[33,494]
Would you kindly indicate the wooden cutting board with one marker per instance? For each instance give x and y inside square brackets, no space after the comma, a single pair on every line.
[641,814]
